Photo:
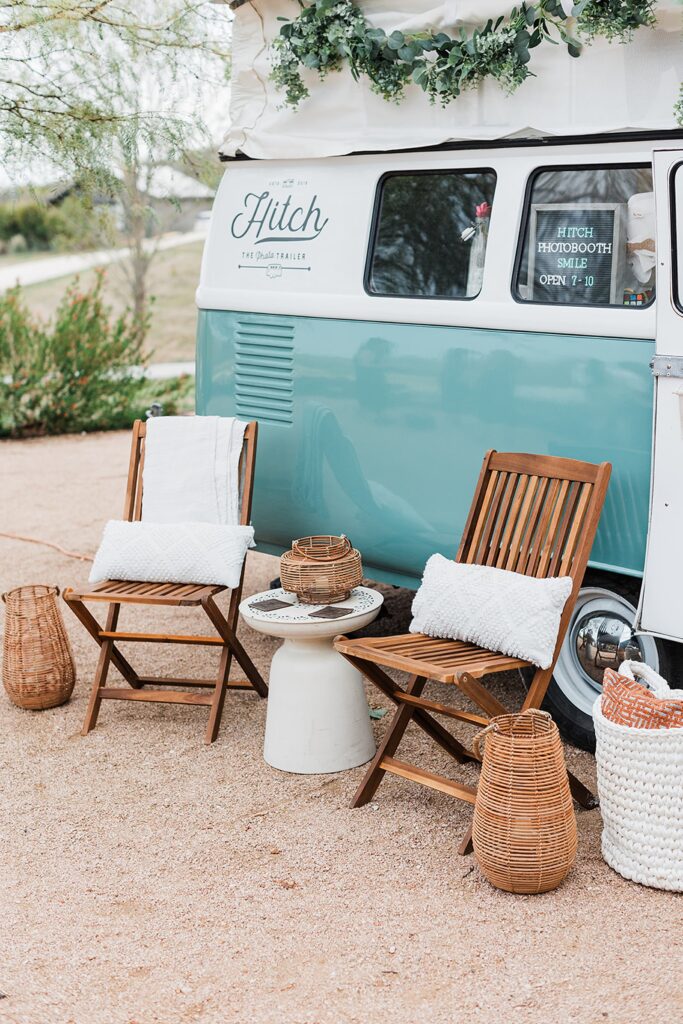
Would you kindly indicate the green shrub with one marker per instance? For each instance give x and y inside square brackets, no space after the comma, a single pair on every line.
[82,371]
[37,223]
[84,225]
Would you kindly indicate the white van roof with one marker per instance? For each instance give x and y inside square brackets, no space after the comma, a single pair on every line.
[610,88]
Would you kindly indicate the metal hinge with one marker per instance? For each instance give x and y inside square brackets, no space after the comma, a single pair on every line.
[667,366]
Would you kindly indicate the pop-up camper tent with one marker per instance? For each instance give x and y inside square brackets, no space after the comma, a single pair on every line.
[610,87]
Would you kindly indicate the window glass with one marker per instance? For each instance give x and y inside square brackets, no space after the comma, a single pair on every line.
[677,206]
[589,238]
[431,234]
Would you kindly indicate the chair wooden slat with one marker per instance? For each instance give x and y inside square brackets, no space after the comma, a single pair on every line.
[501,518]
[541,532]
[534,513]
[139,431]
[564,526]
[572,540]
[483,517]
[551,536]
[552,466]
[137,509]
[511,521]
[522,524]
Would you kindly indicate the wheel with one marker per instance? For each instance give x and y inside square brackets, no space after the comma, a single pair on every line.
[600,635]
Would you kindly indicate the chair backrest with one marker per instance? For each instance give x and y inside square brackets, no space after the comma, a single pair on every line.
[535,514]
[132,508]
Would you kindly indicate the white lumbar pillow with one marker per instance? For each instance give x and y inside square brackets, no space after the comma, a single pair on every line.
[172,552]
[493,608]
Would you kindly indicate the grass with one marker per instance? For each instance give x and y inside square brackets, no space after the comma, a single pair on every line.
[173,278]
[8,260]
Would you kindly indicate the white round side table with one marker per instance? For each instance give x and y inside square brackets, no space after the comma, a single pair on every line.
[317,719]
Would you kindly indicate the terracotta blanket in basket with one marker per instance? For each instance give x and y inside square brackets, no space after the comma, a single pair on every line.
[628,702]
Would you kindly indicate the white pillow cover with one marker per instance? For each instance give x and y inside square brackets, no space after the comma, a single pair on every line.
[172,552]
[493,608]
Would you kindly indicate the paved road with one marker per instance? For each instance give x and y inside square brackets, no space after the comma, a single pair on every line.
[162,371]
[51,267]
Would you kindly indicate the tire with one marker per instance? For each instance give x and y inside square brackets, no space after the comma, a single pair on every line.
[608,602]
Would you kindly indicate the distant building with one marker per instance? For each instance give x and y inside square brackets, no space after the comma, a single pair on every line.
[177,199]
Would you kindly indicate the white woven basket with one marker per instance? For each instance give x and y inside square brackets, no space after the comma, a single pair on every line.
[640,782]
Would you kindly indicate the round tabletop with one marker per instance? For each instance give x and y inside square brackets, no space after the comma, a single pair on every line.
[298,621]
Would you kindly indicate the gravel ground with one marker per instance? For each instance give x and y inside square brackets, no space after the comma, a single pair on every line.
[148,878]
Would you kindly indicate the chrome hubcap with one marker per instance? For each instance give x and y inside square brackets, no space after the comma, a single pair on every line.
[600,636]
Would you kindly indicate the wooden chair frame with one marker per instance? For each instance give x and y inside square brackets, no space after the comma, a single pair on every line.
[537,515]
[116,593]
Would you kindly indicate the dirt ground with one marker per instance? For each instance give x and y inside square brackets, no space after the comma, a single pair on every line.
[145,877]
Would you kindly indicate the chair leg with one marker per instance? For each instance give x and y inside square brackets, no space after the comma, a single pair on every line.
[582,794]
[228,635]
[389,744]
[390,689]
[87,619]
[103,662]
[216,712]
[466,844]
[537,690]
[539,684]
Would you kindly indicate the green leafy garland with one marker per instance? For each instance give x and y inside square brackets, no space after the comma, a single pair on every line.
[329,32]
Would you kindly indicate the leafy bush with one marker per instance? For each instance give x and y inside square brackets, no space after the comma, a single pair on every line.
[83,371]
[85,225]
[37,223]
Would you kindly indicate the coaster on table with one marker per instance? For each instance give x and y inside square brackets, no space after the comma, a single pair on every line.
[271,604]
[329,612]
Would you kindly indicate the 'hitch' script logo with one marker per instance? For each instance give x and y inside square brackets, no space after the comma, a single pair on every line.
[272,220]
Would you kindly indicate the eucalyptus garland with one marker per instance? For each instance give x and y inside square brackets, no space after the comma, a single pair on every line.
[614,19]
[329,32]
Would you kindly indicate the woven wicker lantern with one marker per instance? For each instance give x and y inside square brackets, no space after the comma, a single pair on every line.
[524,831]
[321,569]
[38,667]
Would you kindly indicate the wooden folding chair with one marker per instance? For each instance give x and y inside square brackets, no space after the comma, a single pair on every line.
[115,593]
[531,514]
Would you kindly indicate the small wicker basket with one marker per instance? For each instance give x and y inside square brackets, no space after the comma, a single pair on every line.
[524,831]
[321,569]
[38,667]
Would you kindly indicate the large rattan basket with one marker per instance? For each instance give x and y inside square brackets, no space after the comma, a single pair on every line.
[38,667]
[524,831]
[321,569]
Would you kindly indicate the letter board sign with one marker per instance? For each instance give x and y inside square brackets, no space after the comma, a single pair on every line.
[576,253]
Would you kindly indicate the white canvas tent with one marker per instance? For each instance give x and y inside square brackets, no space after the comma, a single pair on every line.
[611,87]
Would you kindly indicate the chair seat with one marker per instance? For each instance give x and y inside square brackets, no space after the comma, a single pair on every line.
[131,592]
[442,660]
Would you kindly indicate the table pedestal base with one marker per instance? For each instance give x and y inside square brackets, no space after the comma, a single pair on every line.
[317,717]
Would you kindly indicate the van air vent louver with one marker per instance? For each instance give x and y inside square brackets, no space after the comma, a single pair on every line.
[264,370]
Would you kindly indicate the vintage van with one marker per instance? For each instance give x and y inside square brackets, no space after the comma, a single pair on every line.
[389,316]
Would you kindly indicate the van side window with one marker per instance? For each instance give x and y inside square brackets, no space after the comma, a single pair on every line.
[588,238]
[677,234]
[430,234]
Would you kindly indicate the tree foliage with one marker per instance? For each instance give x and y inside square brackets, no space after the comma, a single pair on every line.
[80,78]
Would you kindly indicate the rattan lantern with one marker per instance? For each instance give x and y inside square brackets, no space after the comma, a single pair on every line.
[524,831]
[38,666]
[321,569]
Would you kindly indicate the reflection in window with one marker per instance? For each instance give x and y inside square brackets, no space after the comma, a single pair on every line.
[431,234]
[589,238]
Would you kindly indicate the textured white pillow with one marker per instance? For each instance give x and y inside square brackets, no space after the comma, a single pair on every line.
[172,552]
[495,609]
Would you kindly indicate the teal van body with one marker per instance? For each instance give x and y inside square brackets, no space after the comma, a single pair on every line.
[378,429]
